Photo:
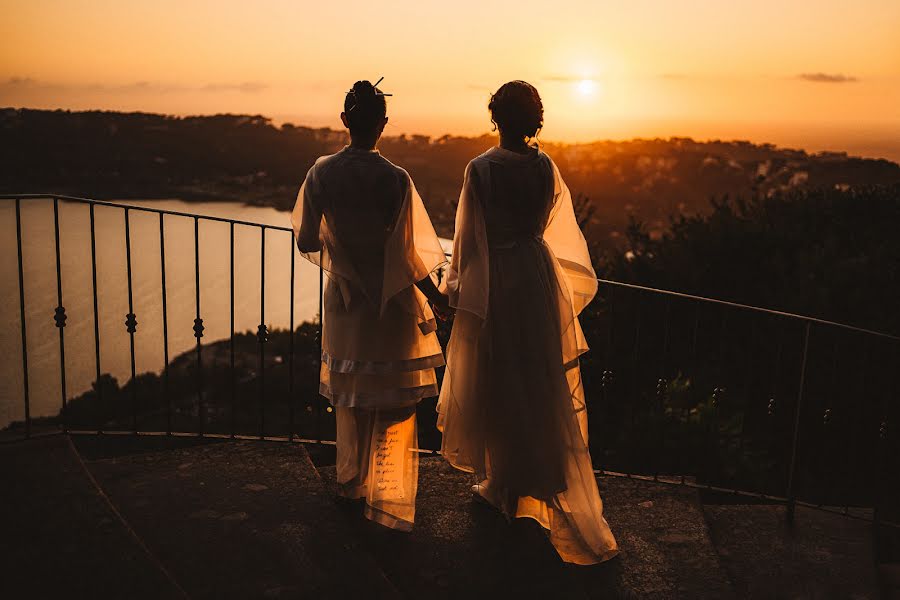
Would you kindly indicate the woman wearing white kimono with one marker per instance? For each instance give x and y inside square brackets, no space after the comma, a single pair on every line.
[359,217]
[512,406]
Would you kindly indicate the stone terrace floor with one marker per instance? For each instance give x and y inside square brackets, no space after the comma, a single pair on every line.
[157,517]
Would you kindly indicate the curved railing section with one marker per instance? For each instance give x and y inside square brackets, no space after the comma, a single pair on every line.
[734,399]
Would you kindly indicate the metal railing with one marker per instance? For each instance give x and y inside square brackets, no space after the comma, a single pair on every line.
[682,389]
[760,404]
[131,322]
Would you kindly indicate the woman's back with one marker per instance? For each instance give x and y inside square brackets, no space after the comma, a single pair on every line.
[519,201]
[363,193]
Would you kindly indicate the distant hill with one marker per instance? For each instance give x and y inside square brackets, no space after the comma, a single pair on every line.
[246,158]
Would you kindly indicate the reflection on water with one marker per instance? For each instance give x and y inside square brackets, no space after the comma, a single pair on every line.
[41,300]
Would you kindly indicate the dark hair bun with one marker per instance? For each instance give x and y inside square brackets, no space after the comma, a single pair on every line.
[364,106]
[516,108]
[364,89]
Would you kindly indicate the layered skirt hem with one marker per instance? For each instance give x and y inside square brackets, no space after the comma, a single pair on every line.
[512,405]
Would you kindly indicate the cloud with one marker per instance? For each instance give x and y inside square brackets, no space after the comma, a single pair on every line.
[574,79]
[827,78]
[562,78]
[20,81]
[247,87]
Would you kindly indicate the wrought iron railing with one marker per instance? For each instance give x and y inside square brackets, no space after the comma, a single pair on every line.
[755,403]
[682,389]
[131,321]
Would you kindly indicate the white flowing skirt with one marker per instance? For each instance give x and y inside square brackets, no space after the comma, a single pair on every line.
[512,403]
[378,459]
[375,369]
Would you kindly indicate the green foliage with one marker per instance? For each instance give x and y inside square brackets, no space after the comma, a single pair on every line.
[829,253]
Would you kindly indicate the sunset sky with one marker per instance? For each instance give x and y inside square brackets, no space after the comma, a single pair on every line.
[819,75]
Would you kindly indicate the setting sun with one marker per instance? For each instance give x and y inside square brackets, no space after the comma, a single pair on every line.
[586,87]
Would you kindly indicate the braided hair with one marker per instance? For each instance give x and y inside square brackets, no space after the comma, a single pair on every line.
[517,110]
[365,107]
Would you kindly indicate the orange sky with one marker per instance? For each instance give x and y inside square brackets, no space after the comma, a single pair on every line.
[820,75]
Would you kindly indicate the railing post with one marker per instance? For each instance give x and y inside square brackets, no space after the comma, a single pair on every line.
[22,320]
[262,334]
[635,386]
[291,352]
[606,377]
[772,407]
[859,479]
[165,322]
[198,327]
[713,460]
[96,313]
[231,321]
[825,458]
[131,324]
[318,374]
[881,448]
[885,493]
[662,390]
[718,395]
[60,318]
[692,376]
[798,409]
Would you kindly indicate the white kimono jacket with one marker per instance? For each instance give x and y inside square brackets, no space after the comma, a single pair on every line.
[379,349]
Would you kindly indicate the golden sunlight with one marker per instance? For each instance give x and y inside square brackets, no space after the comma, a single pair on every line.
[586,87]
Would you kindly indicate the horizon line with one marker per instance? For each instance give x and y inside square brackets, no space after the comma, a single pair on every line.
[280,123]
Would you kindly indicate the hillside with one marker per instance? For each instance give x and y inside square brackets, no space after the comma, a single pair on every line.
[247,158]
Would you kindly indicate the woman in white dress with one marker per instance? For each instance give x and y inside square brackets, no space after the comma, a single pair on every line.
[512,406]
[359,217]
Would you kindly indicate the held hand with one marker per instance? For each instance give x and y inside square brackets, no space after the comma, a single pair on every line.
[441,307]
[443,315]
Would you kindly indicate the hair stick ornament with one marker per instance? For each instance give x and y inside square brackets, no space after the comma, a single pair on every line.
[374,87]
[377,91]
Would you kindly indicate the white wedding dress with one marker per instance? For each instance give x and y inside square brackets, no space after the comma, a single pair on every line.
[512,405]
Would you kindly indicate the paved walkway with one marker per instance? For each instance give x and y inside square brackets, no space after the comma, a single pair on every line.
[458,545]
[240,519]
[60,538]
[824,556]
[247,519]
